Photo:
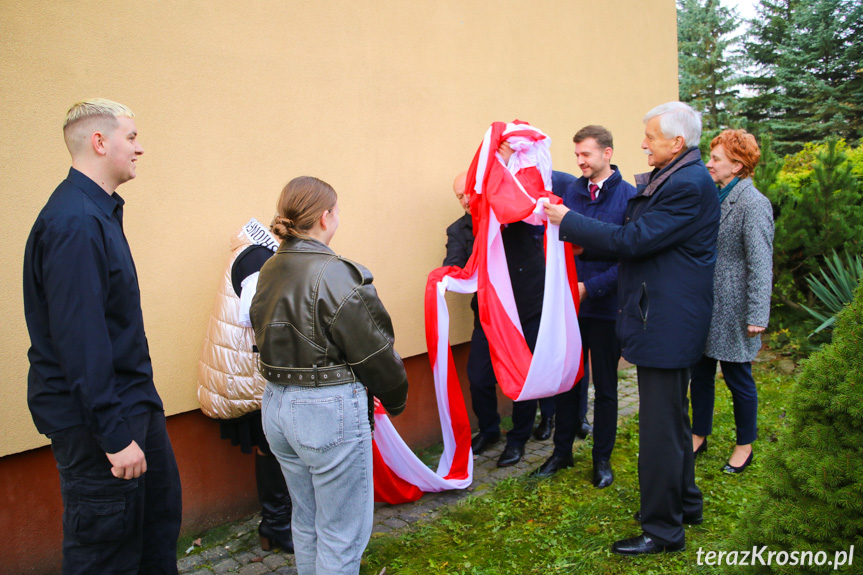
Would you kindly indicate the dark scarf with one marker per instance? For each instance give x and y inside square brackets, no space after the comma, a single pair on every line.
[649,182]
[723,193]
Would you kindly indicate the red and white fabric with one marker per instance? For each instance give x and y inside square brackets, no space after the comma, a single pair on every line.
[500,194]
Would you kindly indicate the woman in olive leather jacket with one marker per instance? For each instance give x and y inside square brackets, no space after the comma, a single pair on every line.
[326,350]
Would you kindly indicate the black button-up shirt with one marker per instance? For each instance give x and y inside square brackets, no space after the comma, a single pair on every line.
[89,358]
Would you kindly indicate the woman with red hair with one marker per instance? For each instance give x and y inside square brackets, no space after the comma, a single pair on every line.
[742,285]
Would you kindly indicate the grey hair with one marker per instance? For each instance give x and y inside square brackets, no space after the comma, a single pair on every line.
[678,119]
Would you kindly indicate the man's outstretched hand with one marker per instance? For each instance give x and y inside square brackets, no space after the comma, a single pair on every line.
[555,212]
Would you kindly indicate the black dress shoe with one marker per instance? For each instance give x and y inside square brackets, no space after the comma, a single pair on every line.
[482,442]
[511,455]
[731,469]
[701,448]
[552,465]
[687,519]
[585,430]
[544,429]
[644,545]
[603,476]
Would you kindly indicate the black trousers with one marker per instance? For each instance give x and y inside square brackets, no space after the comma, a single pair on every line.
[483,389]
[598,342]
[666,466]
[110,525]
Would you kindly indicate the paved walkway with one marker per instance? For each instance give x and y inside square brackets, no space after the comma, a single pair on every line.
[238,551]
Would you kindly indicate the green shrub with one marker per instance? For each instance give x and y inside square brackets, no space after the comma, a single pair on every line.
[837,289]
[818,193]
[813,496]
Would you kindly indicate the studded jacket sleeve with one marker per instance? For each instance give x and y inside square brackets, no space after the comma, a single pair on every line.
[363,330]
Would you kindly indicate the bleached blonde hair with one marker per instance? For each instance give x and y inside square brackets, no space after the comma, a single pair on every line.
[88,116]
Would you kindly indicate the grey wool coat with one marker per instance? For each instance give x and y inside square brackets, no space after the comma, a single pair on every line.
[743,279]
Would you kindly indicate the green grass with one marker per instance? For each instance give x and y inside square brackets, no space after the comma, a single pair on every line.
[563,525]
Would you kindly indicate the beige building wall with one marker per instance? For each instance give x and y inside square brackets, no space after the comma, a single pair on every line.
[385,100]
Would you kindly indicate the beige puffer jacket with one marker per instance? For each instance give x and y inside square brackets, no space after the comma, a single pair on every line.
[229,383]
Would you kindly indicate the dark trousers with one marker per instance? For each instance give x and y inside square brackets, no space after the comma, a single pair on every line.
[110,525]
[666,466]
[582,394]
[483,389]
[547,406]
[598,342]
[738,378]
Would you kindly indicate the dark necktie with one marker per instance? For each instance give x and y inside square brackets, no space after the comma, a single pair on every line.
[593,189]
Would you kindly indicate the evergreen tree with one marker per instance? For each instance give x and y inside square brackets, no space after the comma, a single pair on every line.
[806,74]
[767,172]
[706,62]
[764,47]
[813,498]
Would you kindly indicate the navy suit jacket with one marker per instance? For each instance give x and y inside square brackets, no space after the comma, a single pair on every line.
[599,275]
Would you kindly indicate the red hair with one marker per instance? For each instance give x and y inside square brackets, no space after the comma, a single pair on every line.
[740,146]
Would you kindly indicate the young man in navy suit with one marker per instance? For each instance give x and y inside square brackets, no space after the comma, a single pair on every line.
[600,193]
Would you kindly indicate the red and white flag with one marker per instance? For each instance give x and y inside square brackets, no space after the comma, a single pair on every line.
[499,194]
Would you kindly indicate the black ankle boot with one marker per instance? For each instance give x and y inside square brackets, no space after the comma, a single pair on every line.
[275,527]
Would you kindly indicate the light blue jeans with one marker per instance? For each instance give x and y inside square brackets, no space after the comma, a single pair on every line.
[322,439]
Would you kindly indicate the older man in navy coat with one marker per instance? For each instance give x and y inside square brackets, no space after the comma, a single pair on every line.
[667,251]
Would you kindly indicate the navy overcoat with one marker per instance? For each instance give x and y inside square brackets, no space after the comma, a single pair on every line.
[667,252]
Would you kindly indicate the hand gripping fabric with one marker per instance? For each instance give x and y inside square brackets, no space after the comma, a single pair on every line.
[499,194]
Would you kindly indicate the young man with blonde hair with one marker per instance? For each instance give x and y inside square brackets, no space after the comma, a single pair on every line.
[90,386]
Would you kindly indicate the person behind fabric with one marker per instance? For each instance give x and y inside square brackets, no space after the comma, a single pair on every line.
[230,385]
[523,246]
[741,290]
[90,387]
[326,350]
[667,251]
[600,193]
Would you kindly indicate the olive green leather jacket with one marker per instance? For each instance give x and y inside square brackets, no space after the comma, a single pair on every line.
[318,321]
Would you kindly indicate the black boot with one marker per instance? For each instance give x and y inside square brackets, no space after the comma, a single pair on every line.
[275,527]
